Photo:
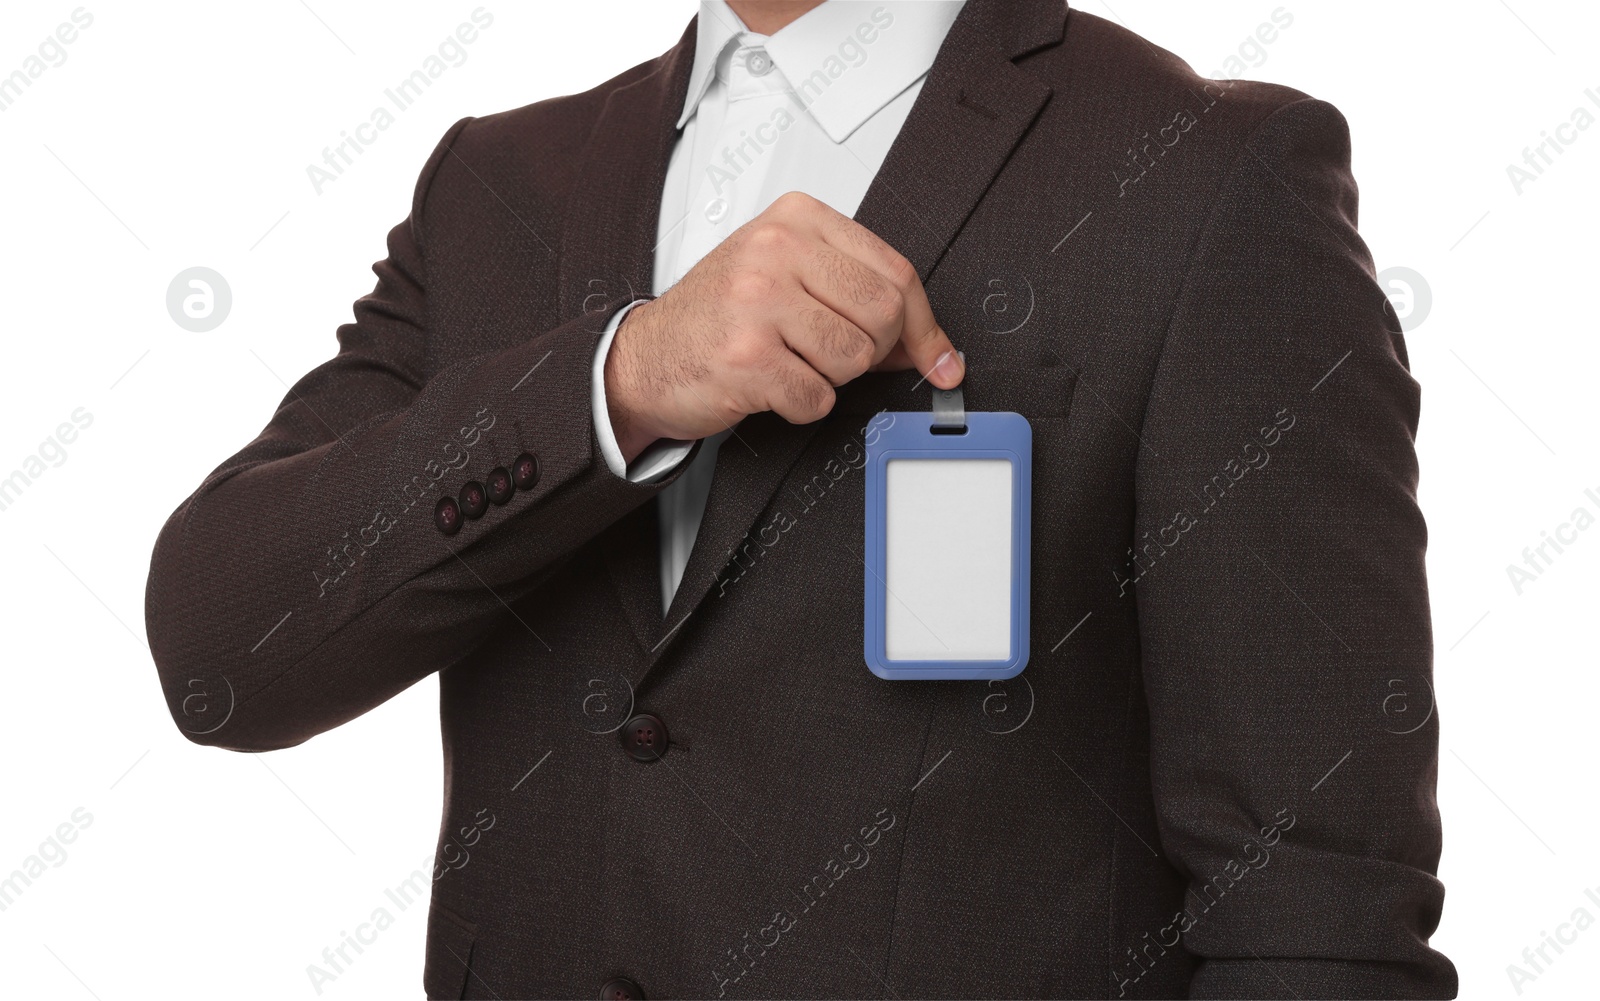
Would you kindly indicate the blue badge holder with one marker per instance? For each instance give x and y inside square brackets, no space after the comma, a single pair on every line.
[947,433]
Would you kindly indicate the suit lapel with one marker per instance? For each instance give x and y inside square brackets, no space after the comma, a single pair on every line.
[609,236]
[607,253]
[975,101]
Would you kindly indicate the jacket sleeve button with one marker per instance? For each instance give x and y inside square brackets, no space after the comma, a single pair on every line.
[473,498]
[447,516]
[498,484]
[525,471]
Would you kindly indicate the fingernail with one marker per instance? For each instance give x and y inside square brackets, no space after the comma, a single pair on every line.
[949,367]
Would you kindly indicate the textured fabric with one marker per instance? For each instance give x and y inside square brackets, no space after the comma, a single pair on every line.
[764,115]
[1193,789]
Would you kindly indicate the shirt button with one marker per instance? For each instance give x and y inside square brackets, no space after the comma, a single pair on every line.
[645,739]
[716,209]
[621,989]
[757,62]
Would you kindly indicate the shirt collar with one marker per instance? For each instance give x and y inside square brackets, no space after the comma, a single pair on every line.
[841,78]
[716,27]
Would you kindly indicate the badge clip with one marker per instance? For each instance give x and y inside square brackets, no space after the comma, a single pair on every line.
[949,408]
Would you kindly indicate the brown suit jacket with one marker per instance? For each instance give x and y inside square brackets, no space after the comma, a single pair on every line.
[1201,784]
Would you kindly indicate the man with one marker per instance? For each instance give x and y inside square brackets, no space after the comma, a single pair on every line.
[630,539]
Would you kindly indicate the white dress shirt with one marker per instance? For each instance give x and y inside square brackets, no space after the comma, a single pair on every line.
[812,108]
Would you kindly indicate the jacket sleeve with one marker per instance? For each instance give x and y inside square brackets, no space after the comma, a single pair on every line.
[305,582]
[1283,608]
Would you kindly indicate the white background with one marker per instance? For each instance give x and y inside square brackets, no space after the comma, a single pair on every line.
[178,134]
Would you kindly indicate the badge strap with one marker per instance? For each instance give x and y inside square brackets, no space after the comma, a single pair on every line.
[949,408]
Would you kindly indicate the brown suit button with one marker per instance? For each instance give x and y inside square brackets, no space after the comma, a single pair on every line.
[644,737]
[525,471]
[447,516]
[474,499]
[621,989]
[498,484]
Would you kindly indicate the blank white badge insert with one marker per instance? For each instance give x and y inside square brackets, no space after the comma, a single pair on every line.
[948,542]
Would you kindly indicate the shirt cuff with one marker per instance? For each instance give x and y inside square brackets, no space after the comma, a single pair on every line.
[658,459]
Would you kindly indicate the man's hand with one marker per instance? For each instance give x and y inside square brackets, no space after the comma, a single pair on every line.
[795,302]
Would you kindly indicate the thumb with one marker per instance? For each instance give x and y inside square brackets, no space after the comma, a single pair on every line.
[935,357]
[927,347]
